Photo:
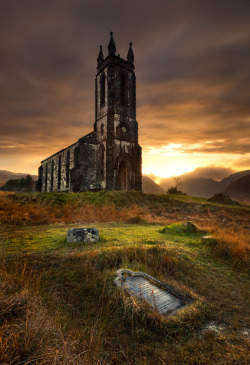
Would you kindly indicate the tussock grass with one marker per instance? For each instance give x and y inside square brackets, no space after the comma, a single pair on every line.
[62,306]
[231,244]
[15,213]
[58,303]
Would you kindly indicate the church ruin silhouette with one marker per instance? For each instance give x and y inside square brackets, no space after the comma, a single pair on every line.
[109,158]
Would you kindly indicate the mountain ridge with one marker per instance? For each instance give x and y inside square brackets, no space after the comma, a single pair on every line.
[239,189]
[201,186]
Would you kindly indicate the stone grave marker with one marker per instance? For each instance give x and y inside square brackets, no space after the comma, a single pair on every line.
[84,235]
[158,295]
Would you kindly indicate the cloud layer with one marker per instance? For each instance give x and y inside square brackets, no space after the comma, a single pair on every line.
[192,64]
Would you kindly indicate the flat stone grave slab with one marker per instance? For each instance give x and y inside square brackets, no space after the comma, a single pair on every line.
[85,235]
[158,295]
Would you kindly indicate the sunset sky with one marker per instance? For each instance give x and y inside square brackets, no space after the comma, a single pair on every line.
[192,63]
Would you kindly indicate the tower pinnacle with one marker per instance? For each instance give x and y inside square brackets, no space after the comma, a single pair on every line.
[100,57]
[130,56]
[111,46]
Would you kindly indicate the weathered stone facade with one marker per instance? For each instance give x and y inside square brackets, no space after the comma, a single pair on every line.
[109,158]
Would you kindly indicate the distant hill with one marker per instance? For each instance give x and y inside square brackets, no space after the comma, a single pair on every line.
[150,187]
[7,175]
[195,185]
[239,189]
[234,177]
[202,187]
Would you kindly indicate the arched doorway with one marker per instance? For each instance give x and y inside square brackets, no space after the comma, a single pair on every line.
[123,176]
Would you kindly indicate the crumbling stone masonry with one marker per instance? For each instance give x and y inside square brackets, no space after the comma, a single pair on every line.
[109,158]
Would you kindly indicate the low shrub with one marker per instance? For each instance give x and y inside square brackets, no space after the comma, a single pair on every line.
[175,190]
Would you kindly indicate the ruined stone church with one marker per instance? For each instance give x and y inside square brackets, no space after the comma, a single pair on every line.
[109,158]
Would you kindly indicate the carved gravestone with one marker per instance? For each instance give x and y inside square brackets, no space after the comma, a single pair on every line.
[158,295]
[84,235]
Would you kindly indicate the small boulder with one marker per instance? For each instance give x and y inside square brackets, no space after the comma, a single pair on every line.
[84,235]
[190,227]
[210,240]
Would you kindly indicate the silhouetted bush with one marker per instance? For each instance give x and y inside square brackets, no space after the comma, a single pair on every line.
[174,190]
[25,184]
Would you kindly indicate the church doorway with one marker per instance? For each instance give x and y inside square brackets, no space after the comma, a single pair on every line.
[123,176]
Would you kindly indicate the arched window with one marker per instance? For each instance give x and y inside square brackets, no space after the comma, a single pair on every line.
[59,172]
[124,89]
[102,90]
[46,177]
[67,169]
[52,176]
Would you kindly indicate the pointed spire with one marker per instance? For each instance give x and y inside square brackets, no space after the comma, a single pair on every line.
[111,47]
[100,57]
[130,56]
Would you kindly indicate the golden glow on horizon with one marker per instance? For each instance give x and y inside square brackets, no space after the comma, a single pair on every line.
[175,159]
[170,168]
[164,161]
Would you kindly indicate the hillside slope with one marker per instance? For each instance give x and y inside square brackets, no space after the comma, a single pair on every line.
[240,189]
[202,186]
[150,187]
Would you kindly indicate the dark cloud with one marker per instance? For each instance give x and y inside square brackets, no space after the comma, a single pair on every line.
[192,65]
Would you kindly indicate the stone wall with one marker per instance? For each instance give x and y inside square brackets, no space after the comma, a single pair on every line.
[84,173]
[55,175]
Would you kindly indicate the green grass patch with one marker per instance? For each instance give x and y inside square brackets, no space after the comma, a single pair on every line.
[182,229]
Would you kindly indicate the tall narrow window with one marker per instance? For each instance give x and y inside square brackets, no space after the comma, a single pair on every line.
[124,89]
[52,176]
[102,90]
[101,162]
[67,169]
[46,177]
[59,172]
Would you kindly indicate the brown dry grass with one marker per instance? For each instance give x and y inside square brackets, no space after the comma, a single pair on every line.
[64,309]
[28,333]
[14,213]
[231,243]
[230,227]
[60,306]
[18,214]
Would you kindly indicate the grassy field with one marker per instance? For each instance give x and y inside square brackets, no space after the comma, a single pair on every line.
[58,302]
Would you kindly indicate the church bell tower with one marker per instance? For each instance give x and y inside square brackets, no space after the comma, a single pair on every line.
[119,154]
